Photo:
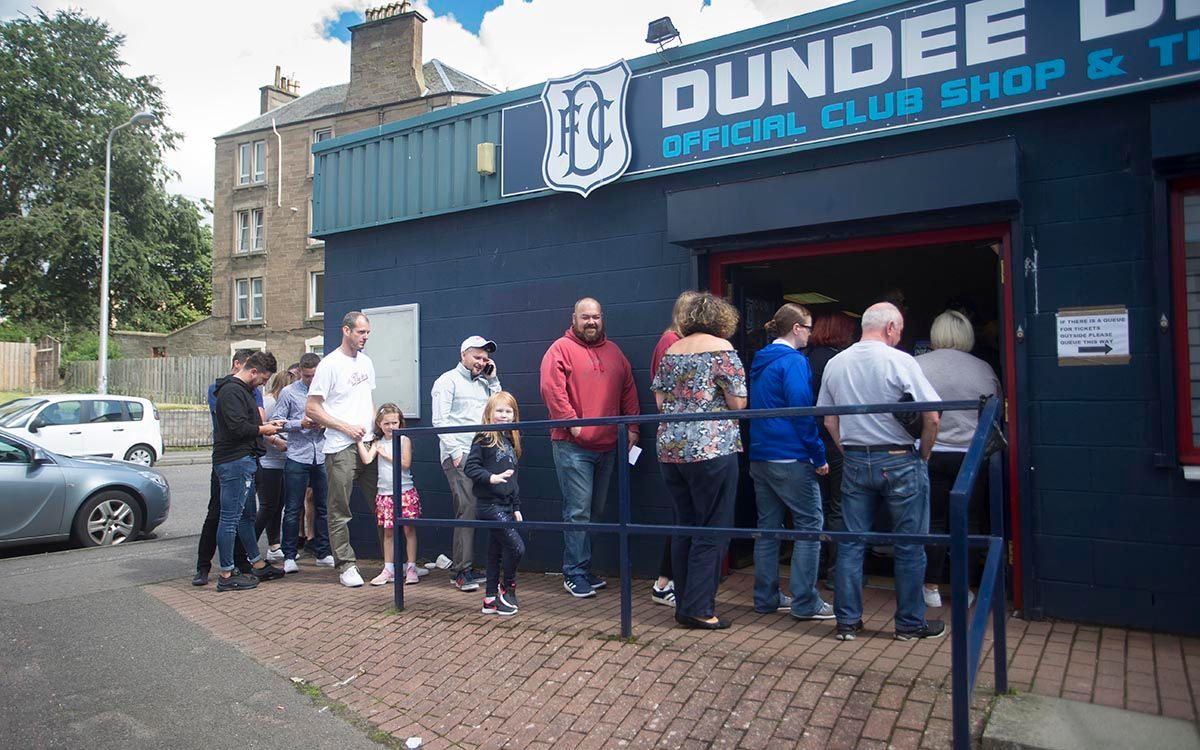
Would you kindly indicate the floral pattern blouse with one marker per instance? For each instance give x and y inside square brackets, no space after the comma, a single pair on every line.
[698,382]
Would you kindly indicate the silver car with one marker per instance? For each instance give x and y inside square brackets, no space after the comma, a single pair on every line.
[47,497]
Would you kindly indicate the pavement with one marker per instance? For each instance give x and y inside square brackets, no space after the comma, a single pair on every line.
[556,675]
[184,458]
[1035,722]
[89,659]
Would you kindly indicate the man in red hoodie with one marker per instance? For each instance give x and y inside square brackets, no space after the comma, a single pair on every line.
[585,375]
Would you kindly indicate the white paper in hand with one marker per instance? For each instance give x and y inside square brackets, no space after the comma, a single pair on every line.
[634,453]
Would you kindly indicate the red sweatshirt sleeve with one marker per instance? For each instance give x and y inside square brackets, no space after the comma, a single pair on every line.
[554,383]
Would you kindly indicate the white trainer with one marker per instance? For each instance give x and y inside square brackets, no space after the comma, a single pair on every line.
[290,566]
[933,598]
[350,577]
[325,562]
[274,555]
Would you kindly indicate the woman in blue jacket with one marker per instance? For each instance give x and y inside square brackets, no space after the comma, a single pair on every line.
[786,455]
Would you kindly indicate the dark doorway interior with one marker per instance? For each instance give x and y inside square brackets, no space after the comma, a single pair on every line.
[929,278]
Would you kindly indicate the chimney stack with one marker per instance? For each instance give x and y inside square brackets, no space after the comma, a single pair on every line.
[277,94]
[385,57]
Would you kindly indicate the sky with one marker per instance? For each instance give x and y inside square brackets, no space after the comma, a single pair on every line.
[210,58]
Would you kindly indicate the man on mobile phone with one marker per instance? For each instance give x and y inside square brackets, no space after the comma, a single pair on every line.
[459,396]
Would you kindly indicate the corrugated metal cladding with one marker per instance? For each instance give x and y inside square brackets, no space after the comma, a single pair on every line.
[418,172]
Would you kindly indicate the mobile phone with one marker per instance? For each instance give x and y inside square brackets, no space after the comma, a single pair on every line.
[489,368]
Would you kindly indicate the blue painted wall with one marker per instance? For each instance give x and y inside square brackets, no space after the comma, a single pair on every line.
[1110,537]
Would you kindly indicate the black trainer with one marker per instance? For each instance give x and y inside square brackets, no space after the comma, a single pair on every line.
[931,629]
[847,631]
[201,577]
[268,572]
[508,595]
[236,582]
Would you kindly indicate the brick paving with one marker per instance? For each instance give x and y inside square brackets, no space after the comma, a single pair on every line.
[555,675]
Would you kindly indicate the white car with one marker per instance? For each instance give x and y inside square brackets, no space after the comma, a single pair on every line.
[82,424]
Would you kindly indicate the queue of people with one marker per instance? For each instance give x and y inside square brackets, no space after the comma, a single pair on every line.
[317,433]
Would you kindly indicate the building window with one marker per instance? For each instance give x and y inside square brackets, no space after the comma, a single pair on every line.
[1185,266]
[316,294]
[322,134]
[252,162]
[248,300]
[315,345]
[312,241]
[250,235]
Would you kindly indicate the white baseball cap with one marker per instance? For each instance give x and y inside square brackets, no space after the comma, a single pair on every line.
[477,342]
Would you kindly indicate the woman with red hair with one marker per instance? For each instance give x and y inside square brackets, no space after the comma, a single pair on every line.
[832,332]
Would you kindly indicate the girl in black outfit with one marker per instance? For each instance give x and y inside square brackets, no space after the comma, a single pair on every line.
[492,468]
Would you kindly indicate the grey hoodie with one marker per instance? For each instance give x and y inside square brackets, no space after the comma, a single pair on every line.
[458,399]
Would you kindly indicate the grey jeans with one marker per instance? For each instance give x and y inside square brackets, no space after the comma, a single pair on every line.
[463,498]
[344,470]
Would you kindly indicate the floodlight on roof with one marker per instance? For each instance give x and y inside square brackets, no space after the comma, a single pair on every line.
[660,31]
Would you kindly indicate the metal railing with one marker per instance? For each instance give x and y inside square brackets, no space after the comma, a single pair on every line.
[966,636]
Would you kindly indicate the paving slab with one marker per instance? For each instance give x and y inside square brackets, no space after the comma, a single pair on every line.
[1037,722]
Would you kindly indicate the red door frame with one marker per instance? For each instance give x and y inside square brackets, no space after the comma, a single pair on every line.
[1189,452]
[1001,233]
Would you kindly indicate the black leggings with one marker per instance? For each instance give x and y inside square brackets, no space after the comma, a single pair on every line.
[270,504]
[943,470]
[505,547]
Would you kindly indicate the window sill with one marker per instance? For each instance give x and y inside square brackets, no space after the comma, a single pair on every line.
[318,245]
[250,186]
[249,324]
[251,254]
[319,318]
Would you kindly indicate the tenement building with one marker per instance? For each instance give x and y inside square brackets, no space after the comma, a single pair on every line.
[268,272]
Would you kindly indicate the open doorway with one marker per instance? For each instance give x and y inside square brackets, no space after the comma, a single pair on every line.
[925,273]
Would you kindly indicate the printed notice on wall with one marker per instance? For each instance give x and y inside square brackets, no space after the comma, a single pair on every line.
[1093,336]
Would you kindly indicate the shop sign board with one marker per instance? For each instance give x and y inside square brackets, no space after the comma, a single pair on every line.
[1093,336]
[918,64]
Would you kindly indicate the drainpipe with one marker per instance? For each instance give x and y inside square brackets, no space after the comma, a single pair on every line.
[279,168]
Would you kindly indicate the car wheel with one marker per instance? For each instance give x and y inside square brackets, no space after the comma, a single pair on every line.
[140,454]
[106,519]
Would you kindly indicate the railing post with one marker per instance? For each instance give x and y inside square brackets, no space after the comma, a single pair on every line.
[397,536]
[623,535]
[960,683]
[999,593]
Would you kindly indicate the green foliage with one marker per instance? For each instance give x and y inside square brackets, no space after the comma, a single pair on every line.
[84,346]
[12,331]
[62,90]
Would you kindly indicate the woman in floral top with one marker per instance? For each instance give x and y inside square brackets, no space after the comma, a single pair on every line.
[700,373]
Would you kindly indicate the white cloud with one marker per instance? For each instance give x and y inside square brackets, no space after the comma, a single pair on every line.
[211,58]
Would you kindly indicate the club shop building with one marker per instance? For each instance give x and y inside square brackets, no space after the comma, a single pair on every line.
[1036,162]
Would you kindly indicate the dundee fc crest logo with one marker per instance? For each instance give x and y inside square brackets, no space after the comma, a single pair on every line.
[587,143]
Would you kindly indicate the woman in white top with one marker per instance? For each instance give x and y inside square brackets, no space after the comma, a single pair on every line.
[957,376]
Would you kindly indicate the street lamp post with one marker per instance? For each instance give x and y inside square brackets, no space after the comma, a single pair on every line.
[102,377]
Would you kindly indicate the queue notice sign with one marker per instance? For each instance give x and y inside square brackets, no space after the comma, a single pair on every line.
[1093,336]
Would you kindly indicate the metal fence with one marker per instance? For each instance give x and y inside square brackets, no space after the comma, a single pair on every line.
[966,636]
[165,380]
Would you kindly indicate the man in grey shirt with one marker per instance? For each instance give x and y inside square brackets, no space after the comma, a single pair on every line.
[881,466]
[304,468]
[459,396]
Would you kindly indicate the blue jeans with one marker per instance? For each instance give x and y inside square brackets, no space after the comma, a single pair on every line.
[793,485]
[237,510]
[901,483]
[298,477]
[583,477]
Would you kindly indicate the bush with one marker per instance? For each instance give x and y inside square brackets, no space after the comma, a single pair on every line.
[84,346]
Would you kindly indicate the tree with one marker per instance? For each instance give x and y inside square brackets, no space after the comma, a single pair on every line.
[62,90]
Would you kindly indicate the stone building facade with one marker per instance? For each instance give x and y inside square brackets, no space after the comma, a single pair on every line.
[268,274]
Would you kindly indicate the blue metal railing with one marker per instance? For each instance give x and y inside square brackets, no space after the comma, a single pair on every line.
[966,636]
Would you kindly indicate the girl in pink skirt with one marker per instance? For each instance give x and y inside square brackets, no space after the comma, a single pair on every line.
[388,419]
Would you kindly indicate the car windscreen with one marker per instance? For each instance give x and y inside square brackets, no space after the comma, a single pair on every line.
[15,413]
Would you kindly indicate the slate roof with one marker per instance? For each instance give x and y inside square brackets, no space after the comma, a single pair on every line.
[439,79]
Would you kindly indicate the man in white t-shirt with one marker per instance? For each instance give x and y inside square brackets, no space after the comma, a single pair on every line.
[340,400]
[881,465]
